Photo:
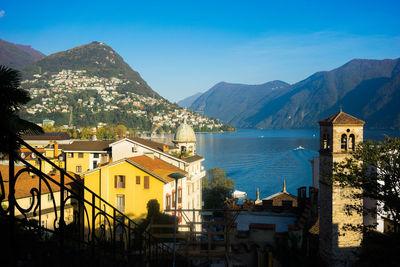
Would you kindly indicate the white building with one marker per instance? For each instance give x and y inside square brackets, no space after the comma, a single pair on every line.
[182,155]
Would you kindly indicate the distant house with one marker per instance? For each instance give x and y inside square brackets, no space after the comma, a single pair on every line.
[85,155]
[43,140]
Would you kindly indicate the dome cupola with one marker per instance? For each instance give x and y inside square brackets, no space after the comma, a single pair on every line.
[184,134]
[185,139]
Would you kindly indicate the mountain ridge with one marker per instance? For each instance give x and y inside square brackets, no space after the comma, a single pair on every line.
[17,56]
[367,84]
[96,58]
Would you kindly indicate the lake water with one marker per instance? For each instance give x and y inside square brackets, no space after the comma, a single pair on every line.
[263,158]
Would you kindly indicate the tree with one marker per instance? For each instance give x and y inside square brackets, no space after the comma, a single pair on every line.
[121,131]
[374,172]
[216,188]
[12,99]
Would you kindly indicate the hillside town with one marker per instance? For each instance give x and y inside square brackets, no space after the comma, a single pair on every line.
[74,91]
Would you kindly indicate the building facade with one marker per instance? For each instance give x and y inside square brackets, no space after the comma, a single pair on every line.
[339,135]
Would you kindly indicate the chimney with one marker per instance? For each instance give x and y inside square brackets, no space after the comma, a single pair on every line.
[55,149]
[150,155]
[165,148]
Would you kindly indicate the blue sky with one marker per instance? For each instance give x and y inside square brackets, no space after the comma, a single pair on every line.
[184,47]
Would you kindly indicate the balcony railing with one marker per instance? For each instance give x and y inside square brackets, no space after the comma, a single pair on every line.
[81,228]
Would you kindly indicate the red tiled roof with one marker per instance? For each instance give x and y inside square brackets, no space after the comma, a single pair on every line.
[160,147]
[341,118]
[48,136]
[152,144]
[86,146]
[157,166]
[25,182]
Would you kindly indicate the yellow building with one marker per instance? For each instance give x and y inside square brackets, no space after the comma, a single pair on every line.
[128,184]
[50,151]
[85,155]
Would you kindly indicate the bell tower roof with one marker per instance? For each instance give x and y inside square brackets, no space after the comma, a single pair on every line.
[341,118]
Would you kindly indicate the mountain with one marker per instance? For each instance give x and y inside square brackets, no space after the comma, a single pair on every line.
[96,59]
[17,56]
[187,102]
[367,89]
[92,86]
[232,103]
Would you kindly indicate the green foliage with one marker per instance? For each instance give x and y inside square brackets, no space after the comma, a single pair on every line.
[156,217]
[374,170]
[216,188]
[153,208]
[12,99]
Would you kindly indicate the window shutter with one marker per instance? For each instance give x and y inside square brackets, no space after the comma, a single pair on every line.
[123,181]
[137,179]
[115,181]
[146,182]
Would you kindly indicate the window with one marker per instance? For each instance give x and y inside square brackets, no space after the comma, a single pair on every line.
[79,169]
[80,155]
[146,182]
[119,181]
[168,201]
[96,155]
[344,142]
[134,149]
[352,140]
[173,198]
[138,179]
[70,155]
[120,203]
[325,141]
[94,164]
[180,195]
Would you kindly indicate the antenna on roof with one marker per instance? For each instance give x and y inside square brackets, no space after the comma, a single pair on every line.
[284,186]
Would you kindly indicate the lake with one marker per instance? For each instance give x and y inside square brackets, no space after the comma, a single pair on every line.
[263,158]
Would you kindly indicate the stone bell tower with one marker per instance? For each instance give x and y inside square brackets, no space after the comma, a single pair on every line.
[339,135]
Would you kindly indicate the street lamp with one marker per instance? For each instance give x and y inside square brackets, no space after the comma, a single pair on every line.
[176,176]
[63,158]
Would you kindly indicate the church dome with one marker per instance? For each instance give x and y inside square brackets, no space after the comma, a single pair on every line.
[184,133]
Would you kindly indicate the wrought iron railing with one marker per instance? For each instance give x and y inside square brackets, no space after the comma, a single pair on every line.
[98,233]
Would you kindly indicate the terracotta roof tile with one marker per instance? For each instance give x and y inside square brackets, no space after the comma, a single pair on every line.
[86,146]
[26,182]
[152,144]
[157,166]
[341,118]
[48,136]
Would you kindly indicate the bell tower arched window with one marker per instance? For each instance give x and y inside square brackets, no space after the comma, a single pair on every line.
[325,141]
[344,142]
[352,142]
